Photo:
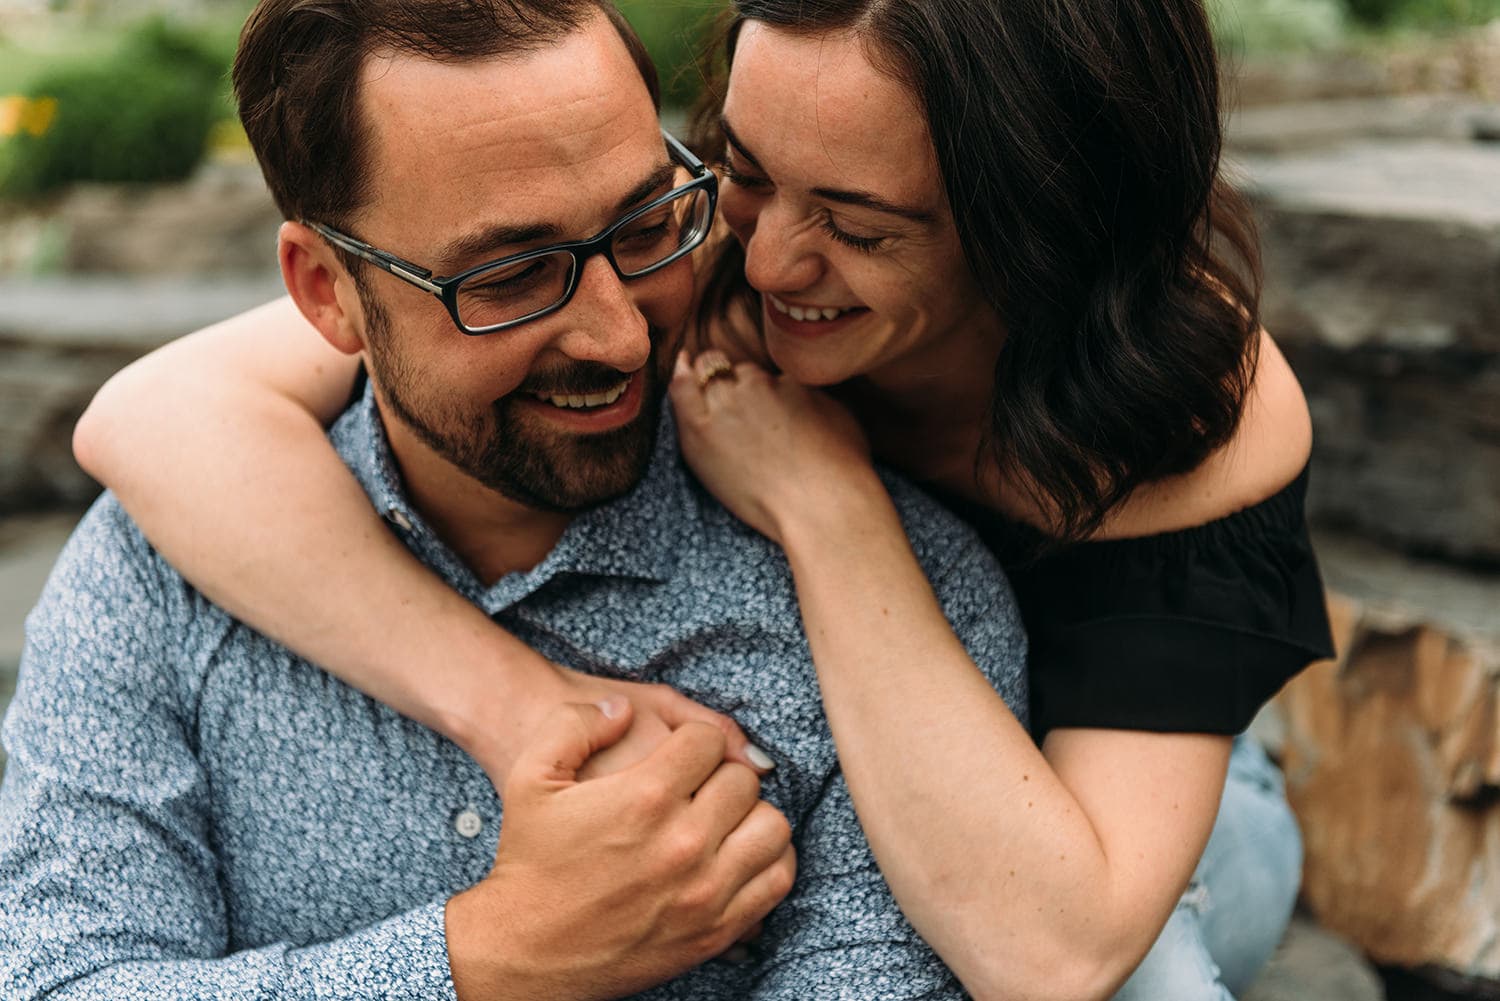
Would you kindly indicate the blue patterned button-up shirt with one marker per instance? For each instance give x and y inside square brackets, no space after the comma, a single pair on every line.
[192,811]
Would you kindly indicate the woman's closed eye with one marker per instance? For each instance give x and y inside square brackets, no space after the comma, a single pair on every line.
[864,244]
[751,182]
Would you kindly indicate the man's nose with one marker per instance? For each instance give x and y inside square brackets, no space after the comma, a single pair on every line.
[604,323]
[779,256]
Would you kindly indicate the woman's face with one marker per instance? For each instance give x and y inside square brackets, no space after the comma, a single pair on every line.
[833,188]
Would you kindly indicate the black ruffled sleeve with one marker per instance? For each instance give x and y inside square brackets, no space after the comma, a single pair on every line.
[1190,631]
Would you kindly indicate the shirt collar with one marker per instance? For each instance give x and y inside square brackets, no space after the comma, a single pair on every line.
[636,536]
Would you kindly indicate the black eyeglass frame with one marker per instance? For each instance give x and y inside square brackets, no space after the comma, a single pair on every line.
[446,289]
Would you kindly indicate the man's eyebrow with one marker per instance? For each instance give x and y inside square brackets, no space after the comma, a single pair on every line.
[652,185]
[484,243]
[863,199]
[468,249]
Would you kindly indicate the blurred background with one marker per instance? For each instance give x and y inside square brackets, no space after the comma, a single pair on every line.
[1367,133]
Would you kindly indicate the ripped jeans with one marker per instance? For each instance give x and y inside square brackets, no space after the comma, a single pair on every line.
[1240,899]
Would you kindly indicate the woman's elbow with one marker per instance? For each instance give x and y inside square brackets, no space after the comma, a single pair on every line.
[1061,970]
[92,445]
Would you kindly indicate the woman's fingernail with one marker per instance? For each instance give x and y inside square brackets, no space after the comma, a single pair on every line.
[612,706]
[760,759]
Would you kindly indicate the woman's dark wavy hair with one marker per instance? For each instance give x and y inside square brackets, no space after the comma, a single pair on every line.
[1079,144]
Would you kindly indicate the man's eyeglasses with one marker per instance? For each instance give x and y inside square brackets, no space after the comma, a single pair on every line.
[536,283]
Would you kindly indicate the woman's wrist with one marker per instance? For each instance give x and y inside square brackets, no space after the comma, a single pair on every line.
[501,689]
[837,511]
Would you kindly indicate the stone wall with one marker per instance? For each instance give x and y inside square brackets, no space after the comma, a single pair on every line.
[132,269]
[1382,264]
[60,340]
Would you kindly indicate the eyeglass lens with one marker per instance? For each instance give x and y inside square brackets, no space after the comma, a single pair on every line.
[516,291]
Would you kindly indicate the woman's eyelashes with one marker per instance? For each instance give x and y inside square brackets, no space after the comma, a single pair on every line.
[863,244]
[743,180]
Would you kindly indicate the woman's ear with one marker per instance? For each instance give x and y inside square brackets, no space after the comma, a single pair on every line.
[321,287]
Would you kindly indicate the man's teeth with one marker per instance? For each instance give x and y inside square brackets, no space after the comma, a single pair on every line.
[573,401]
[804,314]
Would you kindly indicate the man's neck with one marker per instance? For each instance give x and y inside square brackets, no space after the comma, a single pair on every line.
[491,533]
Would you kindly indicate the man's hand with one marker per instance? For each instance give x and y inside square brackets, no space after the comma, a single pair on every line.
[607,887]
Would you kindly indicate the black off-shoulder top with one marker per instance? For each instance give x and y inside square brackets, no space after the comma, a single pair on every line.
[1189,631]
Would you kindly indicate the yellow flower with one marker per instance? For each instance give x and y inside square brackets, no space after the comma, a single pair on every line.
[43,113]
[34,117]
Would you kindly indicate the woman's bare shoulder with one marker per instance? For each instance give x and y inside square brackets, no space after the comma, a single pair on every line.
[1269,450]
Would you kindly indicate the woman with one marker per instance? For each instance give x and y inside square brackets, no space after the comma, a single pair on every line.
[990,231]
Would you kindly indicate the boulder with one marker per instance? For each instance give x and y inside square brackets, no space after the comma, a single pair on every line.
[1382,264]
[60,340]
[1392,758]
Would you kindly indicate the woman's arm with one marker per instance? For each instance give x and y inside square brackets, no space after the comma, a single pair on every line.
[1033,873]
[215,444]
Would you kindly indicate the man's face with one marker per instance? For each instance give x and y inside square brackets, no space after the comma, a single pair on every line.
[475,161]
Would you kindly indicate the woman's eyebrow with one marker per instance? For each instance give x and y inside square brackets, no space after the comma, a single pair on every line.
[739,147]
[865,199]
[862,199]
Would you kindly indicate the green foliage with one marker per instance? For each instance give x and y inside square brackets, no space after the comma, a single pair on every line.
[1318,25]
[677,33]
[1278,25]
[141,114]
[1427,14]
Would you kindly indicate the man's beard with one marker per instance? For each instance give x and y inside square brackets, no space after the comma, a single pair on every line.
[519,456]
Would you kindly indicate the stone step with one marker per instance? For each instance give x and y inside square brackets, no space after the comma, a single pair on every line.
[1381,264]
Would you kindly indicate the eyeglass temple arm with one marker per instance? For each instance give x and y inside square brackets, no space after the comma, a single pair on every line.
[687,156]
[403,269]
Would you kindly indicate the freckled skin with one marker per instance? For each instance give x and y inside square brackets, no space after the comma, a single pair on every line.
[509,160]
[816,113]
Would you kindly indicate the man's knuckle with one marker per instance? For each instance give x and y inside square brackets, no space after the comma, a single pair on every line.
[682,850]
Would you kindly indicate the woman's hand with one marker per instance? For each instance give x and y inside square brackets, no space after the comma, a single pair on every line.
[767,447]
[658,710]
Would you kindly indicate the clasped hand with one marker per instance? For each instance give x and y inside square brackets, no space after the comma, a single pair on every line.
[769,448]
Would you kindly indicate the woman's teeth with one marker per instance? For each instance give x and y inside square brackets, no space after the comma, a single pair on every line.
[806,314]
[576,402]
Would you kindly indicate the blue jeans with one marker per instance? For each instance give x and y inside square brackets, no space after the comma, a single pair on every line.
[1241,896]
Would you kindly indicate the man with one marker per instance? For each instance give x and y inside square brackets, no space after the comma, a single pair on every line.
[191,811]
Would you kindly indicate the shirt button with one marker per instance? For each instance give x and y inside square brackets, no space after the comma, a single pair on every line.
[468,824]
[399,519]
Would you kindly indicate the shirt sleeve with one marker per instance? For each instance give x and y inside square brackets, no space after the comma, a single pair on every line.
[840,934]
[108,877]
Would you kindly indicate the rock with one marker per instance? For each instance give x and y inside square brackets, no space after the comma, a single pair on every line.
[220,222]
[1313,964]
[1466,62]
[1392,757]
[1319,125]
[1381,264]
[59,341]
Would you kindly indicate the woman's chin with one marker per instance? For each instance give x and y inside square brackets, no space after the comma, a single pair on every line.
[797,362]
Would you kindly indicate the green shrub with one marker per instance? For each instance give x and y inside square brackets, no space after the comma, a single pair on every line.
[1429,14]
[1278,25]
[677,33]
[115,121]
[141,115]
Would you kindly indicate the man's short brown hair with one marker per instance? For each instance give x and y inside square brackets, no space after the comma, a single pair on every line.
[297,74]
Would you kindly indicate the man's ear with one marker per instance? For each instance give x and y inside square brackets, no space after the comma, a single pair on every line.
[321,287]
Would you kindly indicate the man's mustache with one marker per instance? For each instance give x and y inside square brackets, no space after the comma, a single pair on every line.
[583,379]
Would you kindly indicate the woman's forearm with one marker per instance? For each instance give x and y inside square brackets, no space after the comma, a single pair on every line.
[216,447]
[1027,881]
[225,466]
